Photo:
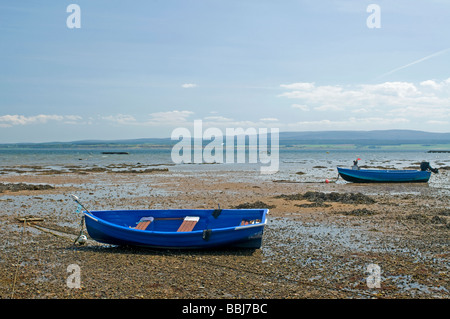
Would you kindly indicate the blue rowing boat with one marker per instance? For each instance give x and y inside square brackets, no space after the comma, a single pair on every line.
[384,176]
[178,228]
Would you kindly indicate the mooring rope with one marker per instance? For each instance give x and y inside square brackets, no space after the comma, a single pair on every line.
[51,231]
[77,240]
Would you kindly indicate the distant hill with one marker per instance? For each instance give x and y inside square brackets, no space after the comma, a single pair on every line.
[377,137]
[137,141]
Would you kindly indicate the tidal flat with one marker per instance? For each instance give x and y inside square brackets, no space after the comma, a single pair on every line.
[319,241]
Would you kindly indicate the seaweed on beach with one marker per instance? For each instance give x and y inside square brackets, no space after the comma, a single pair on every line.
[444,212]
[359,212]
[320,197]
[438,220]
[145,171]
[76,169]
[15,187]
[419,218]
[314,204]
[257,204]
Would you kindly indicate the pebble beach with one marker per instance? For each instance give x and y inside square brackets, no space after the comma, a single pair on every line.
[319,241]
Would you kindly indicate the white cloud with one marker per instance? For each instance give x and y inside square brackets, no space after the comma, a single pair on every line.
[269,119]
[169,118]
[437,86]
[182,119]
[225,122]
[428,99]
[323,95]
[329,107]
[302,86]
[188,85]
[16,119]
[351,123]
[121,119]
[402,104]
[300,107]
[418,111]
[436,122]
[361,110]
[218,119]
[399,89]
[431,84]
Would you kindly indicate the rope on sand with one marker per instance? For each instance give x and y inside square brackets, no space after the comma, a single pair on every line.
[29,221]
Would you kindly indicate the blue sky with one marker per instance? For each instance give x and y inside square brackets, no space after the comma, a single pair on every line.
[140,69]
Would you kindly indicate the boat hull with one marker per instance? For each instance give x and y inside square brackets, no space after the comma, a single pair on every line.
[384,176]
[118,228]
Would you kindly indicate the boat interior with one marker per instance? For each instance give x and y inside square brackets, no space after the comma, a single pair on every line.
[182,220]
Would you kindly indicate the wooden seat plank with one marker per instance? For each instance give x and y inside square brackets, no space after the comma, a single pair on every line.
[144,223]
[188,224]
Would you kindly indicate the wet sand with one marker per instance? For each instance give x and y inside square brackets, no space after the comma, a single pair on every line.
[314,246]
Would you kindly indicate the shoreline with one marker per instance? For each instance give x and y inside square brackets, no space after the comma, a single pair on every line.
[312,247]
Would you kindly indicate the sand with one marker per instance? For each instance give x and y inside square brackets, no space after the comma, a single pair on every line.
[314,246]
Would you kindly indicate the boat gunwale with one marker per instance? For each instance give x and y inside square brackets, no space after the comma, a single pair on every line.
[383,176]
[381,170]
[238,227]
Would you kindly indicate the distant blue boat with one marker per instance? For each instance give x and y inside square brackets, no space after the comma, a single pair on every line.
[384,176]
[182,228]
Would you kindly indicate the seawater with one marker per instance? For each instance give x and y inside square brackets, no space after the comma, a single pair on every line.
[295,165]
